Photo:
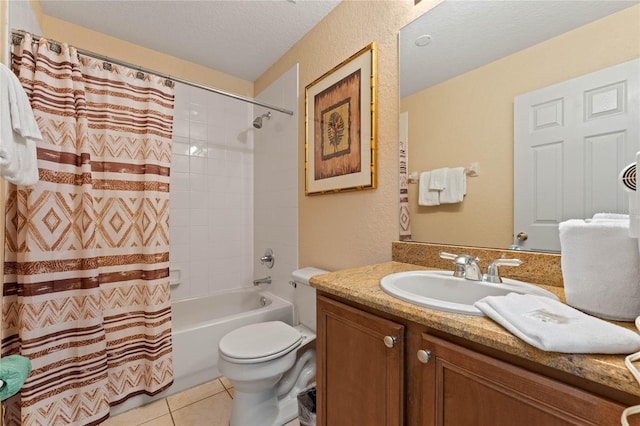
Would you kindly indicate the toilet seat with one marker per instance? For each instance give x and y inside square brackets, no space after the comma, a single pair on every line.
[259,342]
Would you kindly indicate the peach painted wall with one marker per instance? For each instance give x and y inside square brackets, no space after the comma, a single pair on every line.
[470,118]
[350,229]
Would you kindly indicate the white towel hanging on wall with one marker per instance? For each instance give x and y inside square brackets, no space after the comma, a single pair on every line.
[426,196]
[438,181]
[18,132]
[455,186]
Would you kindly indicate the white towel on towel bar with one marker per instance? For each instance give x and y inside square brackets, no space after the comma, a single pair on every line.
[18,132]
[426,196]
[455,186]
[438,180]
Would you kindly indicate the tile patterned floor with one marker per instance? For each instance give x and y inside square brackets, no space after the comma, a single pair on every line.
[205,405]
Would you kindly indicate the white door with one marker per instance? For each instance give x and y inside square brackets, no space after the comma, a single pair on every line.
[571,140]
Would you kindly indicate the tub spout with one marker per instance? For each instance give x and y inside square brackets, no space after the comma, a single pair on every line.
[265,280]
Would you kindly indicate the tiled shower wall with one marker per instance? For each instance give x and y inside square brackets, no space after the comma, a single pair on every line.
[276,184]
[211,215]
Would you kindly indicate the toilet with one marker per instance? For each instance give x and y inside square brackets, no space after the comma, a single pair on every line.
[269,363]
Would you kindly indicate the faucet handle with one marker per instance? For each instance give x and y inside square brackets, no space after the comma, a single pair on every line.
[459,268]
[448,256]
[493,275]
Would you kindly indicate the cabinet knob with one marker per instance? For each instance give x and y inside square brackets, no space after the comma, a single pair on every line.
[424,356]
[390,341]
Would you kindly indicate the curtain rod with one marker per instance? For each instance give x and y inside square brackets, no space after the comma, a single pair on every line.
[21,33]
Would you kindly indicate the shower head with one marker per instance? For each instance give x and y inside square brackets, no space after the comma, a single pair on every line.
[257,123]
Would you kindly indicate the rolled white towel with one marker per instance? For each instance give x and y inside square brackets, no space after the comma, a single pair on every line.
[634,221]
[610,216]
[551,325]
[601,268]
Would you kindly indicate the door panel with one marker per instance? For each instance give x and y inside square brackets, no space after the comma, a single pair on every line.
[571,140]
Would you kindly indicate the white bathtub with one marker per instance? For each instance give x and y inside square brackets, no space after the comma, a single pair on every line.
[198,325]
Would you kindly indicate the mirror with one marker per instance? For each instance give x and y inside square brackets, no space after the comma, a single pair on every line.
[461,65]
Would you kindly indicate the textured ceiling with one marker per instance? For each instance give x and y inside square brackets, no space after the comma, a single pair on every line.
[242,38]
[467,34]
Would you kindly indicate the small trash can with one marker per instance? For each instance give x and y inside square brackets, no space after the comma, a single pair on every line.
[307,407]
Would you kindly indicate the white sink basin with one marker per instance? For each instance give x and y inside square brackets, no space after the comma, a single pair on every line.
[442,291]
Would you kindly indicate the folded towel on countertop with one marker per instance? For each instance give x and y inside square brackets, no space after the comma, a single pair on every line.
[426,196]
[551,325]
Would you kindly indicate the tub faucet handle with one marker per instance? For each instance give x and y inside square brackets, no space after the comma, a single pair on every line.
[268,259]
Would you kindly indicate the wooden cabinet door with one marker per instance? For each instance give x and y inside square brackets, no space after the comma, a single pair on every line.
[462,387]
[359,378]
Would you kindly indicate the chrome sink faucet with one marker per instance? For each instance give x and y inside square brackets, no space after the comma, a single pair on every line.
[467,267]
[470,266]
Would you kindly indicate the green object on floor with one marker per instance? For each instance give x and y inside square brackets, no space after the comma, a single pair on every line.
[14,370]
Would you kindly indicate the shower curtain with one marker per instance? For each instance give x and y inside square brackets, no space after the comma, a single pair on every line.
[405,218]
[86,290]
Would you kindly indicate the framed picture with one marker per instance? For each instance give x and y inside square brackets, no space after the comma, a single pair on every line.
[341,127]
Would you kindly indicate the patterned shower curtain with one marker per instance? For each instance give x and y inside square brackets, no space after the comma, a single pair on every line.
[86,285]
[405,218]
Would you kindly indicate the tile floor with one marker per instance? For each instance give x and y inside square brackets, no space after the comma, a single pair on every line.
[205,405]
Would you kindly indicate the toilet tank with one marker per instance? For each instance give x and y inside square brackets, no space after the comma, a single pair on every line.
[304,296]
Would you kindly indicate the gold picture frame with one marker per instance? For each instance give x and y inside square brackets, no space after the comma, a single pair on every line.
[340,122]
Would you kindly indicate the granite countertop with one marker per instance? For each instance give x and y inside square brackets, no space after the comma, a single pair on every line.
[362,285]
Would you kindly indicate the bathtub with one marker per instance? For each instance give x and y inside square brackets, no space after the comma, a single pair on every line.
[198,324]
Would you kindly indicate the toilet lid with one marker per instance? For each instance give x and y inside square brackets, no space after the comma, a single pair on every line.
[259,342]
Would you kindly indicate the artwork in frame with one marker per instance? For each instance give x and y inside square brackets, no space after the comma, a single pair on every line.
[341,127]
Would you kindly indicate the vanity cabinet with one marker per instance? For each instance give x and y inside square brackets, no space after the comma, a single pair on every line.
[458,386]
[360,367]
[424,380]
